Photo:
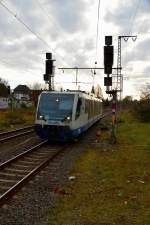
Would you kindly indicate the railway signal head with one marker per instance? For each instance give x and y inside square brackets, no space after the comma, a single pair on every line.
[108,55]
[108,40]
[49,66]
[48,55]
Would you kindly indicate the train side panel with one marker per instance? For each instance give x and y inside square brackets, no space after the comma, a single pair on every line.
[89,113]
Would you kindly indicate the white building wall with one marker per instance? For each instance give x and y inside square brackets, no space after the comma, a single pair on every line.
[3,103]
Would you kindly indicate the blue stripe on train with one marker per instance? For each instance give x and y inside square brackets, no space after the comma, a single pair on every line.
[63,135]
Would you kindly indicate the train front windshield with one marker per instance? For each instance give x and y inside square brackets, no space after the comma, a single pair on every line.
[55,106]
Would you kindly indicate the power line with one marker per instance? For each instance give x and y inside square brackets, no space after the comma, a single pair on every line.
[50,18]
[25,25]
[97,32]
[134,15]
[28,28]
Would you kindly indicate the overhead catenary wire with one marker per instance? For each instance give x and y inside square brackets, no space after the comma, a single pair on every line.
[134,16]
[25,25]
[48,16]
[97,31]
[29,29]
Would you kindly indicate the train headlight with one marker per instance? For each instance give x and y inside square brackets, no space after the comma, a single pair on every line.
[66,119]
[41,117]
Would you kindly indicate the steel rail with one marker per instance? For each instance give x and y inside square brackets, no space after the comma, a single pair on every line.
[16,135]
[106,114]
[16,130]
[8,162]
[14,189]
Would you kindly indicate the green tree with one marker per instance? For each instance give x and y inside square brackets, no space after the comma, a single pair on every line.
[3,87]
[127,98]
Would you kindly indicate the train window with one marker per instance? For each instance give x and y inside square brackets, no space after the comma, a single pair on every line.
[78,108]
[55,106]
[66,105]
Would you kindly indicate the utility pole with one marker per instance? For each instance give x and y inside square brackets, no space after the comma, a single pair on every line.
[76,78]
[108,62]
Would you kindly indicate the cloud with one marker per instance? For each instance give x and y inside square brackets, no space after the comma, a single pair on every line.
[141,51]
[129,16]
[68,29]
[69,14]
[120,16]
[147,70]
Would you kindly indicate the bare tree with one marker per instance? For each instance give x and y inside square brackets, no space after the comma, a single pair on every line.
[98,91]
[145,92]
[37,86]
[3,81]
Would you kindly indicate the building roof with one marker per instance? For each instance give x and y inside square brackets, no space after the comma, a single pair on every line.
[22,89]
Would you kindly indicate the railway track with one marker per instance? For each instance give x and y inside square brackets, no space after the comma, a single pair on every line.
[4,136]
[18,171]
[107,113]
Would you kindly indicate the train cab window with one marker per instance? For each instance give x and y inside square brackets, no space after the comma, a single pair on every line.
[55,106]
[78,111]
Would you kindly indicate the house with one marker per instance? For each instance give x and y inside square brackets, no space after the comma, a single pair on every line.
[22,93]
[22,96]
[25,96]
[4,96]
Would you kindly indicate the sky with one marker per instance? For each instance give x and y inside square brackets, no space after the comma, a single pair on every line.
[68,29]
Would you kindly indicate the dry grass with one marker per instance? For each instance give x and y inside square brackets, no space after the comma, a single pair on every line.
[112,184]
[16,118]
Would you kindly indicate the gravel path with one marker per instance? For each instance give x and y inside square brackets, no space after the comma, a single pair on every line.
[31,205]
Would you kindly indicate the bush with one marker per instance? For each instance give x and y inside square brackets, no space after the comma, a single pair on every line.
[142,110]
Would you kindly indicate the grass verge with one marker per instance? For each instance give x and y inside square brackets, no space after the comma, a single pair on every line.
[112,182]
[16,118]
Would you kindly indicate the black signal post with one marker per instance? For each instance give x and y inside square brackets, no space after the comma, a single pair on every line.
[114,91]
[49,71]
[108,63]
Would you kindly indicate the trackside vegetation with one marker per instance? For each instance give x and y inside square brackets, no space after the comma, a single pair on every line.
[142,110]
[17,118]
[112,182]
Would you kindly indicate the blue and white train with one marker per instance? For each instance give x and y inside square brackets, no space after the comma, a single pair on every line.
[64,115]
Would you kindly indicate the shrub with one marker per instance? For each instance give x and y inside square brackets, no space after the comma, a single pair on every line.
[142,110]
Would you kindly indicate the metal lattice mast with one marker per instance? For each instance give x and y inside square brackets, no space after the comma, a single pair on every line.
[118,85]
[119,75]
